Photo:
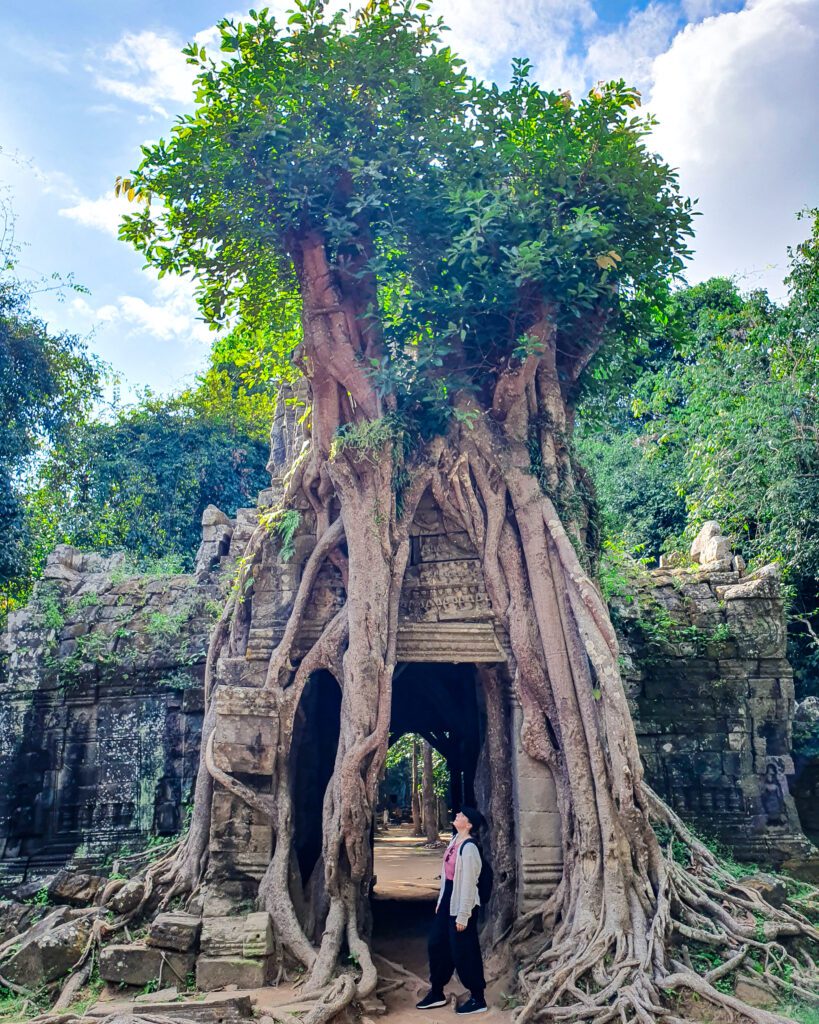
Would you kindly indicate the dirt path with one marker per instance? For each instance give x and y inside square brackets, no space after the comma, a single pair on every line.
[408,878]
[407,883]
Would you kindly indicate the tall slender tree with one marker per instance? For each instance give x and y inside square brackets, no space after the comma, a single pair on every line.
[459,254]
[430,801]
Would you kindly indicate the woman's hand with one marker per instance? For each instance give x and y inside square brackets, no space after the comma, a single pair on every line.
[460,927]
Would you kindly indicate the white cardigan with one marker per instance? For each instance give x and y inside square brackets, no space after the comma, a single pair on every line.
[465,883]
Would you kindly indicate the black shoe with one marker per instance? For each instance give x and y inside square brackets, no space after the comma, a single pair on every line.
[431,1000]
[472,1005]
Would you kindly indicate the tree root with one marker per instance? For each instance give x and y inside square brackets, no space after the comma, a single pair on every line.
[340,995]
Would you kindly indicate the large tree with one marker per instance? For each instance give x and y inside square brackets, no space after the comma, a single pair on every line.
[458,253]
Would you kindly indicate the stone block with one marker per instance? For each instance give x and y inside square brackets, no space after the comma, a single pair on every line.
[240,833]
[48,952]
[772,889]
[74,888]
[540,828]
[754,995]
[213,973]
[708,531]
[162,996]
[249,936]
[141,965]
[246,731]
[176,931]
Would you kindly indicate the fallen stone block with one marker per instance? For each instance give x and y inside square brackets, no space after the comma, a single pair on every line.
[139,965]
[74,888]
[14,917]
[162,996]
[218,1010]
[772,889]
[213,973]
[754,995]
[175,931]
[249,936]
[48,951]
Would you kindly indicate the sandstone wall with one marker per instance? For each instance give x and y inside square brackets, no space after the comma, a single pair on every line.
[100,711]
[711,691]
[100,697]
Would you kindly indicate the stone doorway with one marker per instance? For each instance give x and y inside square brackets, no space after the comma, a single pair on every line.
[445,703]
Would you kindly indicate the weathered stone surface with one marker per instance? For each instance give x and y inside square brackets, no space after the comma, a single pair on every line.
[249,936]
[48,952]
[246,730]
[708,531]
[217,1010]
[16,917]
[127,898]
[772,889]
[175,931]
[98,731]
[753,995]
[213,973]
[158,997]
[74,888]
[713,704]
[138,965]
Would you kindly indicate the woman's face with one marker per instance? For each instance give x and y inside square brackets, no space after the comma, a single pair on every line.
[462,823]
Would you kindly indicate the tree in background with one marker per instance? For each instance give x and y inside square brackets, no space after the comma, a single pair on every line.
[140,481]
[459,253]
[48,386]
[430,799]
[723,423]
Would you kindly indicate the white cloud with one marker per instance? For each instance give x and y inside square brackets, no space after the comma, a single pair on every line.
[148,69]
[169,314]
[488,35]
[739,118]
[629,51]
[104,213]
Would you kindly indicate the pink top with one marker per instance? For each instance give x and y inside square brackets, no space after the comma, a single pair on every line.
[450,860]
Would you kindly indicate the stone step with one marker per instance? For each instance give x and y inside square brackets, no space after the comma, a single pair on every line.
[140,965]
[228,1009]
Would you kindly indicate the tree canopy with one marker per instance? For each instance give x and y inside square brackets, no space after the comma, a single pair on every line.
[457,210]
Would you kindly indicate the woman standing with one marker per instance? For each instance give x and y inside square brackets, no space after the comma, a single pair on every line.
[453,938]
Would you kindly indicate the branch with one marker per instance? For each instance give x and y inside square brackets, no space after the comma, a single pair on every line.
[281,656]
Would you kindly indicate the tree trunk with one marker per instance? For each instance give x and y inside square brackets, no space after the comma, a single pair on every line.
[613,924]
[417,829]
[430,803]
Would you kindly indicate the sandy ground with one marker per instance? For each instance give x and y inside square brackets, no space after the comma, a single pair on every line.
[407,882]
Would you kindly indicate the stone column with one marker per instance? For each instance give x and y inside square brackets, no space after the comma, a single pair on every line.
[537,823]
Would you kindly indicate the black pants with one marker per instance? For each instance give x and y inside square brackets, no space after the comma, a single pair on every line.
[451,950]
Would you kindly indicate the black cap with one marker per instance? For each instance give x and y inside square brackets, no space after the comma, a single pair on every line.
[476,819]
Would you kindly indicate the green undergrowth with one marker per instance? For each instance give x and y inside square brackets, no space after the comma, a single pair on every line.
[148,568]
[626,582]
[283,524]
[15,1008]
[367,439]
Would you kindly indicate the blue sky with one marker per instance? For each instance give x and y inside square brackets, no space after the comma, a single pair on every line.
[85,83]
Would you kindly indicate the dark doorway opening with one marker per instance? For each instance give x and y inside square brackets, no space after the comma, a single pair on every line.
[313,755]
[443,703]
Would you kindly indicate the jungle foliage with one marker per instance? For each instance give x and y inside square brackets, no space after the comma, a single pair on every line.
[720,420]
